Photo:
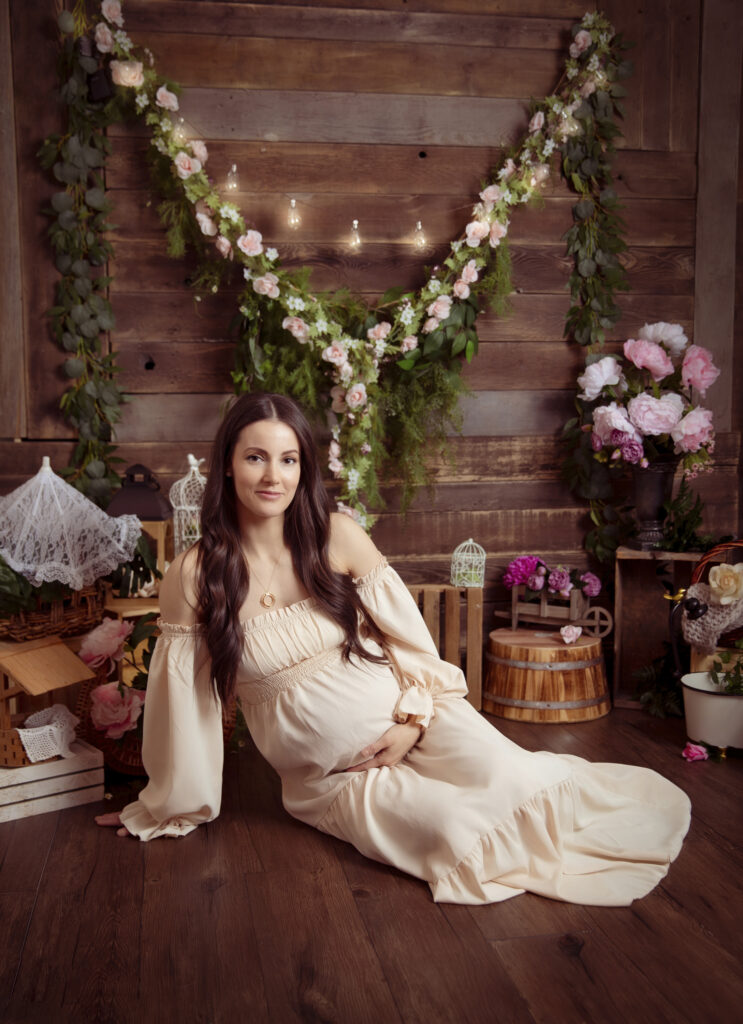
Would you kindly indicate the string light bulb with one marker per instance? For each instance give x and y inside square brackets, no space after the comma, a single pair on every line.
[233,179]
[419,237]
[179,132]
[355,240]
[293,217]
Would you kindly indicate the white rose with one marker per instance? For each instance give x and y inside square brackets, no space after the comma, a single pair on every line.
[605,372]
[726,583]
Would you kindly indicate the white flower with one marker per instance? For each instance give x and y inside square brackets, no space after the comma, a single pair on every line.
[407,316]
[166,124]
[572,71]
[142,100]
[670,335]
[160,146]
[294,303]
[123,40]
[229,212]
[434,286]
[456,246]
[548,148]
[507,196]
[247,275]
[593,64]
[321,325]
[379,349]
[273,254]
[352,479]
[605,372]
[244,309]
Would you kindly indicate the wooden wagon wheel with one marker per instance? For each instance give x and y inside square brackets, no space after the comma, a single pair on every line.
[598,622]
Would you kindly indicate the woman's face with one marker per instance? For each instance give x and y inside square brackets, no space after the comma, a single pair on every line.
[265,469]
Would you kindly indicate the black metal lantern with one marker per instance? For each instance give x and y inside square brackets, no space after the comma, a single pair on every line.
[140,495]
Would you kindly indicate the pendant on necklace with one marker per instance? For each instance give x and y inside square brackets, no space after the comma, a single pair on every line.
[267,599]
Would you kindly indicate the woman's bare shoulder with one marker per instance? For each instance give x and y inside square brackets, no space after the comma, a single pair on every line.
[351,549]
[178,601]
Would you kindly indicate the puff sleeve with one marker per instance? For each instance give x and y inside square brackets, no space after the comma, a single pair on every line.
[183,746]
[422,675]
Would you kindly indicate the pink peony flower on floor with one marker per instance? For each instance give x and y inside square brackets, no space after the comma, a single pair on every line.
[114,711]
[698,370]
[475,231]
[379,331]
[251,243]
[104,39]
[653,416]
[297,328]
[105,643]
[671,336]
[199,150]
[338,399]
[603,373]
[558,582]
[580,44]
[537,122]
[591,584]
[470,273]
[267,285]
[520,569]
[128,73]
[607,418]
[186,165]
[440,307]
[409,343]
[461,289]
[223,246]
[648,356]
[356,396]
[693,431]
[497,231]
[694,752]
[166,99]
[111,11]
[570,634]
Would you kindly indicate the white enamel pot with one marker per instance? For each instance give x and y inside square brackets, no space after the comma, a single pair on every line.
[712,716]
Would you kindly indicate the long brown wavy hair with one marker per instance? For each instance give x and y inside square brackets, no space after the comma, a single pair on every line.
[222,574]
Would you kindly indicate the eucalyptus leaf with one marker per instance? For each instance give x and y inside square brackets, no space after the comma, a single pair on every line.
[80,268]
[89,328]
[66,22]
[83,287]
[96,469]
[62,201]
[95,198]
[74,367]
[67,220]
[69,342]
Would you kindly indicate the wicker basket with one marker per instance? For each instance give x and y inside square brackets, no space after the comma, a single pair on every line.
[74,614]
[731,552]
[125,755]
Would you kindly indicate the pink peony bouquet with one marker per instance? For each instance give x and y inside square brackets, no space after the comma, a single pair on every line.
[116,706]
[643,406]
[533,573]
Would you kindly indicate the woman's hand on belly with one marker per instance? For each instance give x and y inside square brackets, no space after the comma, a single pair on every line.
[389,749]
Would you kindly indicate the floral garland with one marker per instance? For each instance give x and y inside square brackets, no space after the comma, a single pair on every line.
[326,348]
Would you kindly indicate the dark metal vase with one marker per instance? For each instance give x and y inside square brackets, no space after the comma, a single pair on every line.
[651,488]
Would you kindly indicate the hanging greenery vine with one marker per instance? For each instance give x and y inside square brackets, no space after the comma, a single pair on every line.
[391,375]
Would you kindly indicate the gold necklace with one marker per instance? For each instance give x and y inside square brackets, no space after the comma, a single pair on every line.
[267,599]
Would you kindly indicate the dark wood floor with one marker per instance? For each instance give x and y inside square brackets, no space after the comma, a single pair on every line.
[259,918]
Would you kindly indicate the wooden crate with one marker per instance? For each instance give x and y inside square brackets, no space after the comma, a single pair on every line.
[52,785]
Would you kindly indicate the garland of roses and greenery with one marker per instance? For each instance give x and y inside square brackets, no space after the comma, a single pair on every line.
[391,374]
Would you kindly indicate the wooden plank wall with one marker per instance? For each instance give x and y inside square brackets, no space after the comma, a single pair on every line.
[361,109]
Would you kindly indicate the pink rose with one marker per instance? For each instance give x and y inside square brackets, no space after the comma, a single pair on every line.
[334,353]
[697,370]
[335,466]
[114,711]
[166,99]
[409,343]
[608,418]
[223,246]
[338,395]
[440,307]
[581,43]
[694,752]
[649,356]
[588,88]
[491,195]
[537,122]
[267,285]
[356,396]
[461,289]
[693,431]
[653,416]
[111,11]
[186,165]
[128,73]
[470,273]
[508,170]
[348,511]
[379,332]
[207,225]
[105,643]
[250,243]
[334,449]
[475,231]
[199,150]
[104,39]
[570,634]
[603,373]
[345,372]
[430,325]
[297,328]
[497,231]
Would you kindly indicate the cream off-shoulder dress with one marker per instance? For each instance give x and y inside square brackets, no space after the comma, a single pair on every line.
[467,810]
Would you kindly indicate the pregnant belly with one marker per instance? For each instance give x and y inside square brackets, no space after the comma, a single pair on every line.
[322,724]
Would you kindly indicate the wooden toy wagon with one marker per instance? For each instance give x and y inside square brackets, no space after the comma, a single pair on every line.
[550,610]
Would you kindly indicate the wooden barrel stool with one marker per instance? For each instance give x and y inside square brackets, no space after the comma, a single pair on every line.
[532,676]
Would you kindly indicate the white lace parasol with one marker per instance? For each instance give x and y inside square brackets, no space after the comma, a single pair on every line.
[50,531]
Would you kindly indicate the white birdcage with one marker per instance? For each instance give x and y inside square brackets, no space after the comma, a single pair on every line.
[186,496]
[468,565]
